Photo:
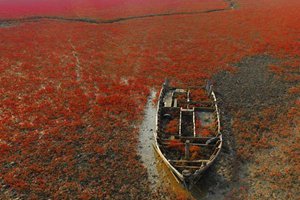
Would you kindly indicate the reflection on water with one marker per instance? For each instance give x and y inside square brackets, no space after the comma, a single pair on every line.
[206,118]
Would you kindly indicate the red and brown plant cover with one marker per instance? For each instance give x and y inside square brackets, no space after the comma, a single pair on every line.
[72,93]
[199,95]
[195,152]
[176,144]
[172,127]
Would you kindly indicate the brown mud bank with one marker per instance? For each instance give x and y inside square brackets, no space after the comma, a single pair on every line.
[254,103]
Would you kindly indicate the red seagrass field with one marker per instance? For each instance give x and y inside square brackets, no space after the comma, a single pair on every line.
[75,77]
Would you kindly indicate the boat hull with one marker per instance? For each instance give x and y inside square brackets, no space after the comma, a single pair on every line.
[184,167]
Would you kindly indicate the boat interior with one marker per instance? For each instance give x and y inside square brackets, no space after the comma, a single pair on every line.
[188,128]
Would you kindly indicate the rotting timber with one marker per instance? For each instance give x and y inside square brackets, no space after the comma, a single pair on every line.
[188,136]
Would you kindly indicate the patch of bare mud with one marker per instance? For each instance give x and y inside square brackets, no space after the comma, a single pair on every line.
[247,92]
[252,86]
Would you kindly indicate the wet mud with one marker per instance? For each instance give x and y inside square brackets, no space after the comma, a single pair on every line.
[249,90]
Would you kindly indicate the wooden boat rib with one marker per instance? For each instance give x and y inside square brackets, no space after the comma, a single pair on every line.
[188,132]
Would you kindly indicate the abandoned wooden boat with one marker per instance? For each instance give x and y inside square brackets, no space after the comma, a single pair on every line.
[188,136]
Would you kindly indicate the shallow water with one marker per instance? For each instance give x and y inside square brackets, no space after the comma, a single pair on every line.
[146,140]
[206,118]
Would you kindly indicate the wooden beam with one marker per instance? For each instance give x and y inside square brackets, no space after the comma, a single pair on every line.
[205,109]
[187,149]
[187,167]
[189,161]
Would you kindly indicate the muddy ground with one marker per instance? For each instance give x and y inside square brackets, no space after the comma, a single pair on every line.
[245,93]
[251,88]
